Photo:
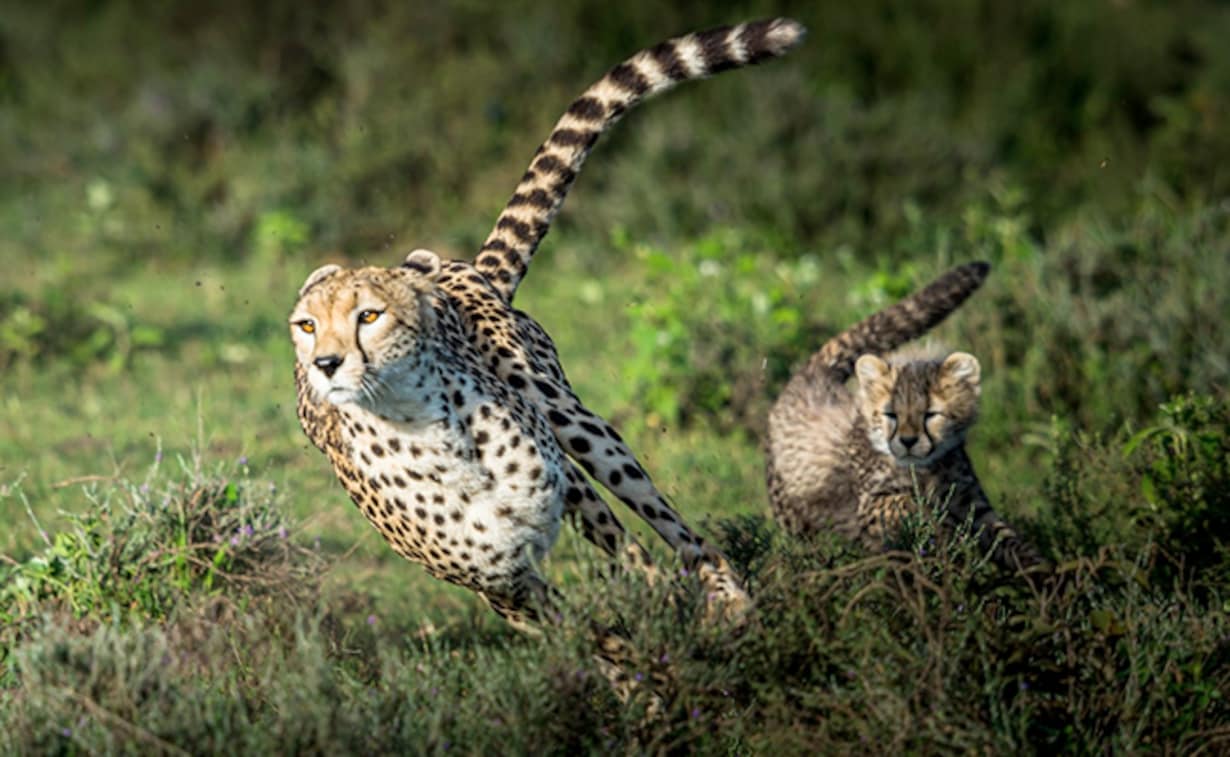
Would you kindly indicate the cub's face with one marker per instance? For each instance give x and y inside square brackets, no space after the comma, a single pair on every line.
[919,410]
[358,333]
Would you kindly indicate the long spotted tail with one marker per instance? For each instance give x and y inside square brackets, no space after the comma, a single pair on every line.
[897,324]
[505,256]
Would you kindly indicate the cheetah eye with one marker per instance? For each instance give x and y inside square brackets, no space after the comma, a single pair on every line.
[890,416]
[307,327]
[931,414]
[369,316]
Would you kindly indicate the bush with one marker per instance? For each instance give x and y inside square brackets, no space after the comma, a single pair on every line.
[140,552]
[930,648]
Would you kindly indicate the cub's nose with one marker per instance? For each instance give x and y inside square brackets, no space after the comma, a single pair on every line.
[328,364]
[906,441]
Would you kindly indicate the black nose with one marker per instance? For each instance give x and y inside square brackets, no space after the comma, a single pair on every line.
[328,364]
[906,441]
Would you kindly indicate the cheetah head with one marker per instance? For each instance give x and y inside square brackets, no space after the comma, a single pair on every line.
[918,410]
[359,334]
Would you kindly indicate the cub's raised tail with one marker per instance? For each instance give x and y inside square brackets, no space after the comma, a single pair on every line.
[892,327]
[505,256]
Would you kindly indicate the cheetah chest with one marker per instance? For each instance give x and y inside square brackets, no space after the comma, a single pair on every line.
[474,497]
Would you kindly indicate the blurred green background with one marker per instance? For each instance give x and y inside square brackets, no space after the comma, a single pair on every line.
[169,173]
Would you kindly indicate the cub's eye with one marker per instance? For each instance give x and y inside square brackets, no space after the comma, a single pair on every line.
[307,327]
[890,416]
[369,316]
[931,414]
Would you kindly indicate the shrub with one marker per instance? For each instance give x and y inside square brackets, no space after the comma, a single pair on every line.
[142,551]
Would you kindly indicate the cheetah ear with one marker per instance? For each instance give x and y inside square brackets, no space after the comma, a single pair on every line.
[870,370]
[963,367]
[319,275]
[424,262]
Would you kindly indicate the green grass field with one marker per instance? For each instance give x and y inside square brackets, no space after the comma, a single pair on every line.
[180,571]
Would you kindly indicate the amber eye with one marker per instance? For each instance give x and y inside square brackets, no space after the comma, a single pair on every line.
[369,316]
[890,416]
[931,414]
[307,327]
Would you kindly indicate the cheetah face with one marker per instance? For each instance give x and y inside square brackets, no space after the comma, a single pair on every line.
[359,334]
[918,411]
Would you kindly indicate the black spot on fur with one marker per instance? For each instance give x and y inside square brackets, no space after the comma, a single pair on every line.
[587,108]
[667,58]
[629,78]
[546,388]
[715,51]
[754,37]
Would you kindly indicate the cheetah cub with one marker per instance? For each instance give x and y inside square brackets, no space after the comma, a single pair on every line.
[856,462]
[445,411]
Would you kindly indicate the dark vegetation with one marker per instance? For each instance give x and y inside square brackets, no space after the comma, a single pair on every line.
[170,172]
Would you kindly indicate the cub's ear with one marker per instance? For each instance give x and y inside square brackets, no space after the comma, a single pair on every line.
[317,276]
[962,366]
[870,369]
[423,262]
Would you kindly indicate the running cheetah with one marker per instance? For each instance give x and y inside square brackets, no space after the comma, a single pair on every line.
[856,463]
[445,411]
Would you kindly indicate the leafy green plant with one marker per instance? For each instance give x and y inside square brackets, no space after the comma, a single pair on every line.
[55,325]
[142,550]
[1184,472]
[716,318]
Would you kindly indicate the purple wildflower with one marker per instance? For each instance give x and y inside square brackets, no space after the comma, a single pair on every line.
[145,488]
[243,459]
[248,530]
[158,456]
[695,713]
[639,677]
[234,541]
[282,532]
[665,658]
[66,732]
[371,620]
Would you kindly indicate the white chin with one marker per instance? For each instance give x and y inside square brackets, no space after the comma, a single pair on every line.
[338,395]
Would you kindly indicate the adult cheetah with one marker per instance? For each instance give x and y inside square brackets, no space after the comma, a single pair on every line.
[445,411]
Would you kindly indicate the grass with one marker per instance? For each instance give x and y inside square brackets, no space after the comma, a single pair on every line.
[169,176]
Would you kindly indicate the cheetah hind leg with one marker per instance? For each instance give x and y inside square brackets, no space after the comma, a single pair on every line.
[600,526]
[599,449]
[535,371]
